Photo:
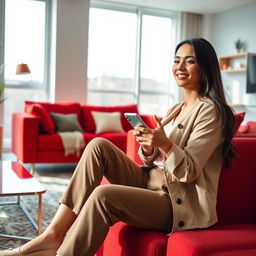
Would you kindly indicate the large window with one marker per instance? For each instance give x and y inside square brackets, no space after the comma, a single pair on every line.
[130,57]
[156,43]
[24,42]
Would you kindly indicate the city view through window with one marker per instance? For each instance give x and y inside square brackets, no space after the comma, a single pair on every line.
[125,66]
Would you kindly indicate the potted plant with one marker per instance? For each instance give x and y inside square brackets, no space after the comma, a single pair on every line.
[239,45]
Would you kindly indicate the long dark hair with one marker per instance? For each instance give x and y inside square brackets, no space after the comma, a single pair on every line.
[212,87]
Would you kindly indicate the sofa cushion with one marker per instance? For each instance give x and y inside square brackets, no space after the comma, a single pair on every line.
[118,138]
[247,130]
[50,142]
[53,141]
[66,122]
[62,108]
[211,241]
[107,121]
[45,122]
[239,119]
[123,239]
[89,124]
[236,201]
[243,129]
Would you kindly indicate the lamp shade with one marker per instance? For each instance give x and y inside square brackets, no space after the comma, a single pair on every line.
[22,69]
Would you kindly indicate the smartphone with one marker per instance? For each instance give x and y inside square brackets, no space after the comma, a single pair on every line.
[135,120]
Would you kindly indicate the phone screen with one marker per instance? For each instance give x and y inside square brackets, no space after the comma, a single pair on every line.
[135,120]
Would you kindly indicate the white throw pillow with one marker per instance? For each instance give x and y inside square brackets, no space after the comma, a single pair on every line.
[107,121]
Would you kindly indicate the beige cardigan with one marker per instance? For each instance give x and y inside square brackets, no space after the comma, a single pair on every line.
[192,169]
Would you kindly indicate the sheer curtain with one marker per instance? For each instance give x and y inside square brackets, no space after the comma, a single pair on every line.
[191,25]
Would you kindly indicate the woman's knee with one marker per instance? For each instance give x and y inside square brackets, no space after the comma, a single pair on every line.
[98,144]
[101,203]
[102,193]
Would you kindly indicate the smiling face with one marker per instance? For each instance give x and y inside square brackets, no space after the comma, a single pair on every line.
[186,71]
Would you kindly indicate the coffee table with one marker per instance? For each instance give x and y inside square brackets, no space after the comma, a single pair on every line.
[15,180]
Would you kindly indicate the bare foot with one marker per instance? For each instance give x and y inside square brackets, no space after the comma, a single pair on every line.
[45,241]
[16,252]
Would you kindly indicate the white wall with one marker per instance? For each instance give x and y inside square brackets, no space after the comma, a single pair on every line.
[207,26]
[223,29]
[69,40]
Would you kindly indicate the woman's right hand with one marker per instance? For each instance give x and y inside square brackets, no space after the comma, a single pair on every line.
[138,133]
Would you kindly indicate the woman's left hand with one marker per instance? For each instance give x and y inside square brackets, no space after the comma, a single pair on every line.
[154,137]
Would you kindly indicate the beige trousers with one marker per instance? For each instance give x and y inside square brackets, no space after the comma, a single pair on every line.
[97,208]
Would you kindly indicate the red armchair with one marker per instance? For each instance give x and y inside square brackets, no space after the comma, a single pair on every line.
[234,234]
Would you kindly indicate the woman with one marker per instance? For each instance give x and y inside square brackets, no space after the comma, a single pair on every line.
[177,187]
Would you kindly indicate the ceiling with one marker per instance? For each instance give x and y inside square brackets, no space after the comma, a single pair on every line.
[196,6]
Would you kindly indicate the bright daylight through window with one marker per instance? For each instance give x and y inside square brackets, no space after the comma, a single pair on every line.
[24,43]
[111,58]
[25,40]
[129,58]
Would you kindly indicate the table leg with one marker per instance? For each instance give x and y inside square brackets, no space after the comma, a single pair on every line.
[33,169]
[39,214]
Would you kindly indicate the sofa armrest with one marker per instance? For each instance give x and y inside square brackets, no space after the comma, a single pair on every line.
[132,147]
[25,129]
[149,120]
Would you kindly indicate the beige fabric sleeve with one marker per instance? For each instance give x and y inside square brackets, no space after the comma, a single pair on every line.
[186,164]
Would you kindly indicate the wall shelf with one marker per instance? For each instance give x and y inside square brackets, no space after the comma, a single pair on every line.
[234,70]
[234,63]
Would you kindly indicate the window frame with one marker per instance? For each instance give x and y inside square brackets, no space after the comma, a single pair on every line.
[140,11]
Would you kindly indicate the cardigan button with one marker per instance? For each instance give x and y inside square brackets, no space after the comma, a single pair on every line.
[181,223]
[178,201]
[180,126]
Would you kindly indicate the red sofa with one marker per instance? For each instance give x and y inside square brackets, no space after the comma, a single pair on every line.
[34,139]
[234,234]
[247,130]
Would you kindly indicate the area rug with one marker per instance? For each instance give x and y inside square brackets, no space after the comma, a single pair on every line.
[12,219]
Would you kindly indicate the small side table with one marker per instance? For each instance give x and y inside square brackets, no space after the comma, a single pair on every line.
[15,180]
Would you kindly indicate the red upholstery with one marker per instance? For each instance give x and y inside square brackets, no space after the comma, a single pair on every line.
[227,239]
[234,234]
[237,188]
[53,141]
[119,139]
[35,141]
[59,107]
[132,144]
[239,119]
[45,121]
[132,148]
[247,130]
[126,240]
[25,136]
[89,123]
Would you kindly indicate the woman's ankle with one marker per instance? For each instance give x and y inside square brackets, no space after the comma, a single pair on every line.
[46,240]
